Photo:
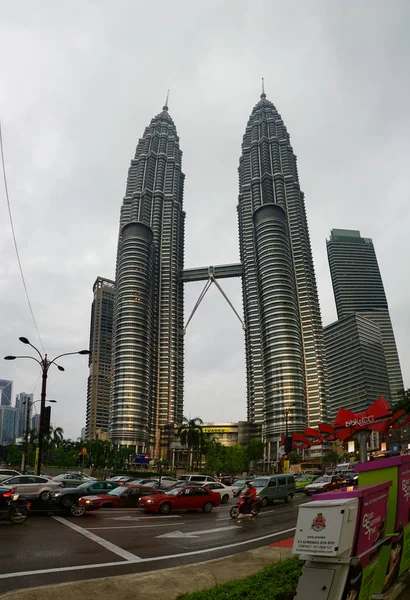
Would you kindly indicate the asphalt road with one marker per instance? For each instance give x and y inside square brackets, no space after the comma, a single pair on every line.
[57,549]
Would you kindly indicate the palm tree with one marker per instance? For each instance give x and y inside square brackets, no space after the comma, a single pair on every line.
[58,435]
[191,435]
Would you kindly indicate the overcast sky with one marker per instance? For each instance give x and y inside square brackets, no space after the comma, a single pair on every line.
[79,81]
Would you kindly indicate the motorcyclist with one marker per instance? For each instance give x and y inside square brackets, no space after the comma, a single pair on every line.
[250,496]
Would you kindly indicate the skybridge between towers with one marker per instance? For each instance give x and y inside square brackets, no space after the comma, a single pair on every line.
[210,275]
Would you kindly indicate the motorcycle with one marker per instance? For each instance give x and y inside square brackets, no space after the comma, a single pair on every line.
[13,508]
[241,508]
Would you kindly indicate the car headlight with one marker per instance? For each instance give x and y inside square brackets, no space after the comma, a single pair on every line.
[150,501]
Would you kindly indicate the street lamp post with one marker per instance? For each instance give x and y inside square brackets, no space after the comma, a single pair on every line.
[45,364]
[25,453]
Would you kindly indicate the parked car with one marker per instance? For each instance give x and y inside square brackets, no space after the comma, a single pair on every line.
[276,487]
[224,491]
[31,486]
[191,478]
[72,479]
[7,473]
[350,478]
[186,498]
[225,479]
[154,484]
[238,485]
[182,484]
[68,498]
[303,481]
[123,496]
[121,479]
[325,483]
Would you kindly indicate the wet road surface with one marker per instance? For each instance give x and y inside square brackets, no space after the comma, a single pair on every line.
[57,549]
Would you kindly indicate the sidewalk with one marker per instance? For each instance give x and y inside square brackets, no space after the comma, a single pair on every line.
[170,582]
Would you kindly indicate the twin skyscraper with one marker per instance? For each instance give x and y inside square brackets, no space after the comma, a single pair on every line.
[283,330]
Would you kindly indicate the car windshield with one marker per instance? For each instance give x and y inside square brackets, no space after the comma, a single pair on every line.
[305,478]
[239,483]
[325,479]
[117,491]
[85,485]
[173,492]
[260,483]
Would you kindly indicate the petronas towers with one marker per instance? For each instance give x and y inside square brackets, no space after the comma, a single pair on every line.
[283,330]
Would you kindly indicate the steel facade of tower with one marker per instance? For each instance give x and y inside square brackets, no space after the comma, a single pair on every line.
[99,378]
[358,287]
[293,375]
[148,351]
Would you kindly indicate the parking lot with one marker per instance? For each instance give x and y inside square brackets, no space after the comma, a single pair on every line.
[56,548]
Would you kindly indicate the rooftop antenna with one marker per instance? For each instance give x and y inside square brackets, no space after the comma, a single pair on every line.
[263,95]
[165,107]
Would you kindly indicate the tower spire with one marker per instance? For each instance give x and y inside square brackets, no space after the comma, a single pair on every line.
[263,95]
[165,107]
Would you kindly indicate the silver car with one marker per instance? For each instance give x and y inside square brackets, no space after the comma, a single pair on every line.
[31,486]
[7,473]
[71,479]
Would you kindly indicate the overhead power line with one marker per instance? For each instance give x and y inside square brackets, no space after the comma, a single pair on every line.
[14,237]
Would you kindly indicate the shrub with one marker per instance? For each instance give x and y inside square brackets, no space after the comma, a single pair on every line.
[277,582]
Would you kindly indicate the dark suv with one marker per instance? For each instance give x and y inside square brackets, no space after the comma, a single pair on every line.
[67,498]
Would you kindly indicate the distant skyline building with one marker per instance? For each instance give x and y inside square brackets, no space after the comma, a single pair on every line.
[23,403]
[8,421]
[358,287]
[356,364]
[283,336]
[35,422]
[6,387]
[99,378]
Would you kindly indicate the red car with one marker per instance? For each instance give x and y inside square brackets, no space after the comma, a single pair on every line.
[124,496]
[186,498]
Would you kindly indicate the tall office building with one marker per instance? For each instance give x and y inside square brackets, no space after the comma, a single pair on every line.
[23,403]
[356,364]
[284,335]
[147,361]
[35,422]
[99,378]
[8,420]
[5,392]
[358,287]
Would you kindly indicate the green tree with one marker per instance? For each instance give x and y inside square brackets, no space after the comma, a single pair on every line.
[403,401]
[331,458]
[255,450]
[215,454]
[236,459]
[14,455]
[294,457]
[191,435]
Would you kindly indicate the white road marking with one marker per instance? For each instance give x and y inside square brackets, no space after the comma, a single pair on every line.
[179,534]
[129,518]
[141,560]
[135,526]
[99,540]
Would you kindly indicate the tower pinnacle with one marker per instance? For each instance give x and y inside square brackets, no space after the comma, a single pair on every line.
[165,107]
[263,95]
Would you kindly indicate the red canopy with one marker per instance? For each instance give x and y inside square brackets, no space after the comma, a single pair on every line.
[376,418]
